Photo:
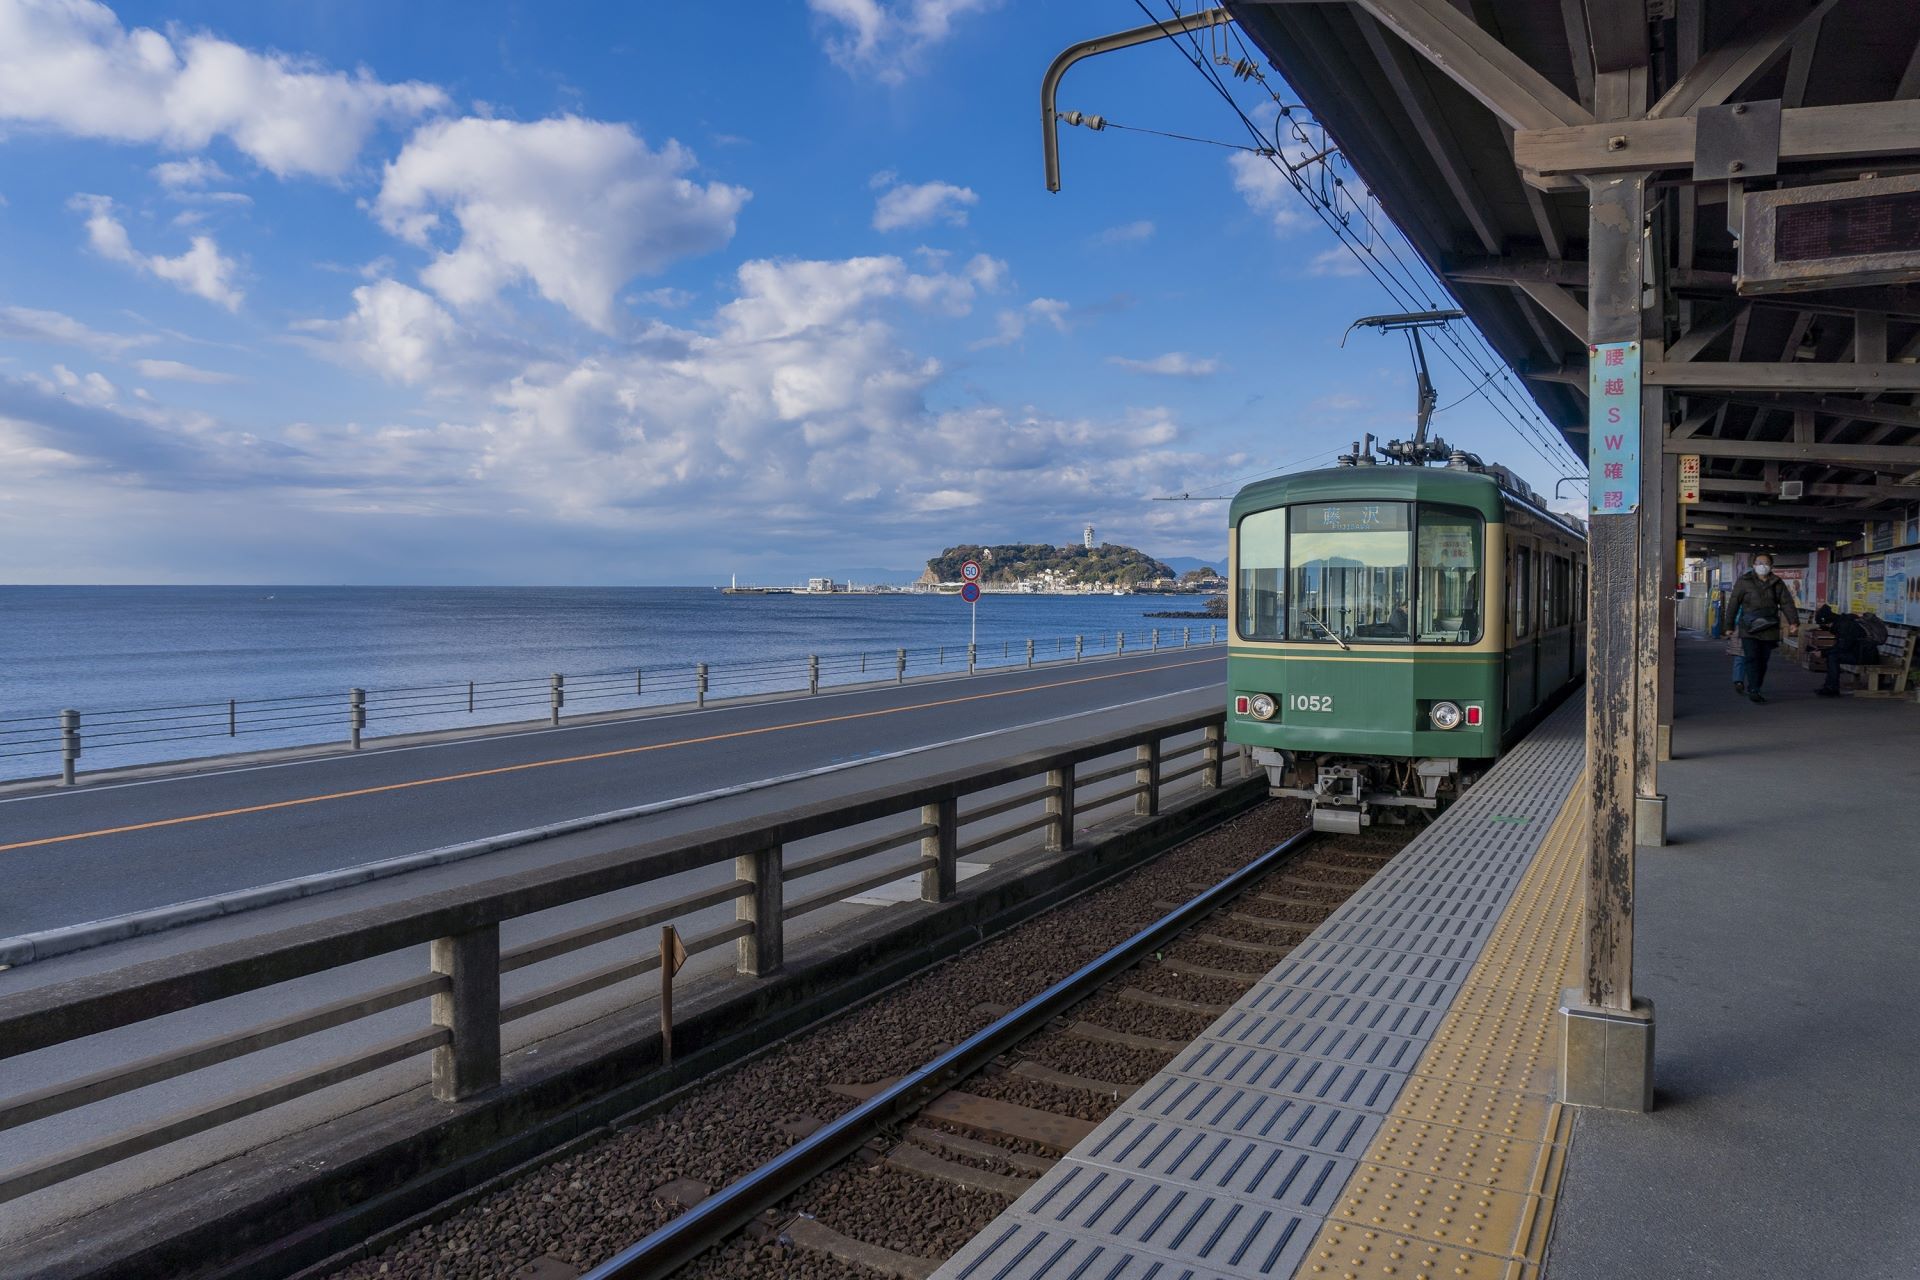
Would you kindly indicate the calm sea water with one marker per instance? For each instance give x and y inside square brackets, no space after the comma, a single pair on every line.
[109,650]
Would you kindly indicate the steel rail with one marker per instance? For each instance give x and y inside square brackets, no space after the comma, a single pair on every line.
[737,1204]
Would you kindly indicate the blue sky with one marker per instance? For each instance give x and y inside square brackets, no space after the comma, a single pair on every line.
[501,293]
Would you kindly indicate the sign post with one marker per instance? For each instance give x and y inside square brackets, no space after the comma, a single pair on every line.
[970,592]
[1689,477]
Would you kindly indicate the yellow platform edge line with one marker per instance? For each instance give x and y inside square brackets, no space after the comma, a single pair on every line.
[1401,1223]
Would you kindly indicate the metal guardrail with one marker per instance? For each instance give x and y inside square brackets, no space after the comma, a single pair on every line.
[314,718]
[462,930]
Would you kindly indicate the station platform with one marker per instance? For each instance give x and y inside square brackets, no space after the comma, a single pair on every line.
[1382,1103]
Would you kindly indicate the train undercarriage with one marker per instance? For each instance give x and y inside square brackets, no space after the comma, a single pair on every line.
[1350,792]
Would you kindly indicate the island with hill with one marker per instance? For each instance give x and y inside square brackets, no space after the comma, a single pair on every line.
[1039,567]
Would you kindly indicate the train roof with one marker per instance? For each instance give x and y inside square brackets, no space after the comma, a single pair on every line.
[1476,490]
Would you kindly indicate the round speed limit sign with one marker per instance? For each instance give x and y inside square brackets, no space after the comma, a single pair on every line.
[970,571]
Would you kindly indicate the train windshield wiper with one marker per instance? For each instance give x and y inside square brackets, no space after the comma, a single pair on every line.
[1315,620]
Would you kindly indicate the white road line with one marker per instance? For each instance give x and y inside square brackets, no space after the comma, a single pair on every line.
[482,736]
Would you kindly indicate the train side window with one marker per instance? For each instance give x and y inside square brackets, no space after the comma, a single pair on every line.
[1520,592]
[1447,590]
[1559,592]
[1261,551]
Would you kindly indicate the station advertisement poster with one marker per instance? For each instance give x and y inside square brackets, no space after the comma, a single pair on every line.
[1893,589]
[1857,586]
[1913,526]
[1796,582]
[1817,576]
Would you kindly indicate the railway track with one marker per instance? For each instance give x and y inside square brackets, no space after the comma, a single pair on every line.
[902,1146]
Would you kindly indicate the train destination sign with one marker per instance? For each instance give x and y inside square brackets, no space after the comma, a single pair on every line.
[1613,428]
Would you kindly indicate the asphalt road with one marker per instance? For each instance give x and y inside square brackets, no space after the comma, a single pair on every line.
[73,856]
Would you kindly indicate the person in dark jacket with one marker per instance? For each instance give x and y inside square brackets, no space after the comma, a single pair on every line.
[1851,647]
[1761,604]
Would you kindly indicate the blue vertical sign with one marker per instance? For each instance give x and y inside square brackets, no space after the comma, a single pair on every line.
[1613,428]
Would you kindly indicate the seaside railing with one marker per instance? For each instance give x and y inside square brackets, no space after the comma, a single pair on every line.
[458,1002]
[138,735]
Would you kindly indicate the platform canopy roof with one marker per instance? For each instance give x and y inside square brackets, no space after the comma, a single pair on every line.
[1474,123]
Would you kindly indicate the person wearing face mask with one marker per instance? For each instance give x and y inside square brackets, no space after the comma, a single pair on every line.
[1760,604]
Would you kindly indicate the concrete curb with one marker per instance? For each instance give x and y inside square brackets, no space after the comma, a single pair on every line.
[46,943]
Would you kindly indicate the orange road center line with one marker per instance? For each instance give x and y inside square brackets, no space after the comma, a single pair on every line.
[580,759]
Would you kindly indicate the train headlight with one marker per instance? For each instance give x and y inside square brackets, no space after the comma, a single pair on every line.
[1261,706]
[1445,715]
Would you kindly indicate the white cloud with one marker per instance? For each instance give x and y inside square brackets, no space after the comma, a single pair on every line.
[91,389]
[398,331]
[202,270]
[667,297]
[1264,187]
[1174,364]
[70,65]
[1126,233]
[25,324]
[1337,261]
[193,172]
[174,371]
[888,40]
[1010,325]
[575,207]
[801,390]
[921,204]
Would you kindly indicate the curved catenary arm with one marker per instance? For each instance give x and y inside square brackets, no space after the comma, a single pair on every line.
[1049,129]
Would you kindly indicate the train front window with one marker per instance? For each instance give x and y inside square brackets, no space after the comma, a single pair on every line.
[1261,553]
[1347,573]
[1448,597]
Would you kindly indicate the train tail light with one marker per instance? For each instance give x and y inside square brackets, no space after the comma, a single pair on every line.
[1473,715]
[1240,705]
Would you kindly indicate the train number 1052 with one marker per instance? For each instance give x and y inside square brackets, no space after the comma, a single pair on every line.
[1309,702]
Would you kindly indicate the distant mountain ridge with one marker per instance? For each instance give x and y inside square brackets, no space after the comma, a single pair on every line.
[1187,564]
[1107,565]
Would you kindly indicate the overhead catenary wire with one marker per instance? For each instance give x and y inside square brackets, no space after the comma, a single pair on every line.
[1394,276]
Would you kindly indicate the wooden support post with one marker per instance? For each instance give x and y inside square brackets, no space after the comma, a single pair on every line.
[1669,587]
[470,1009]
[759,953]
[1146,773]
[1616,243]
[939,849]
[1655,555]
[1606,1035]
[1210,757]
[1060,806]
[673,954]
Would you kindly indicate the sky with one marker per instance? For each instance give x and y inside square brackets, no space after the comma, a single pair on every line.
[500,293]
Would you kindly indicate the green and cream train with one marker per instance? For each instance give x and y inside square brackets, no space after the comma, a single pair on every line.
[1393,628]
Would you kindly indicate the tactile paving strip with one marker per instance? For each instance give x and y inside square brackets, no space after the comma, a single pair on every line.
[1330,1119]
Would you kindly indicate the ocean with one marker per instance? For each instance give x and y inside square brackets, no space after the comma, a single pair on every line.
[151,668]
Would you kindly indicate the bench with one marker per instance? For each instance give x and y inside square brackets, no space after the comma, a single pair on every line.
[1895,666]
